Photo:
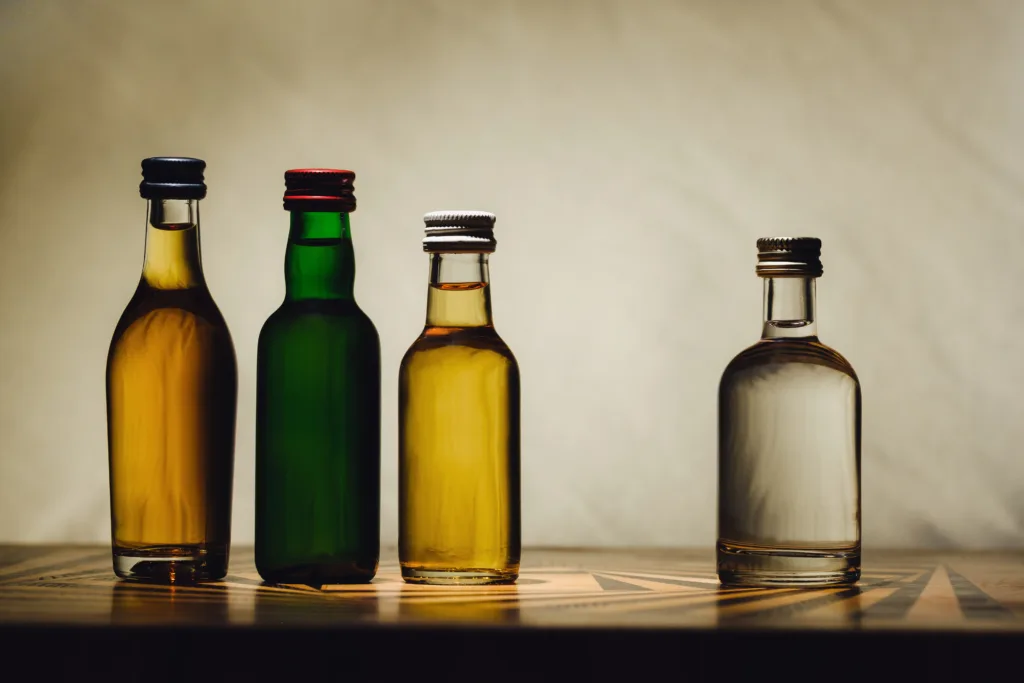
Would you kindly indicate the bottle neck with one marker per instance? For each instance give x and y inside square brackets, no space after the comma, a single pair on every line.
[319,262]
[789,308]
[172,245]
[459,293]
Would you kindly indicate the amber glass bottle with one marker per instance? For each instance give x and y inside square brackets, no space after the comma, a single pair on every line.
[318,401]
[459,421]
[789,440]
[171,396]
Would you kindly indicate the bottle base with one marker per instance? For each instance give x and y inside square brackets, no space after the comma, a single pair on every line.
[750,565]
[171,563]
[317,575]
[460,577]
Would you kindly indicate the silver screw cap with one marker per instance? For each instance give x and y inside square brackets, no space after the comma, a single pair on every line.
[459,231]
[789,256]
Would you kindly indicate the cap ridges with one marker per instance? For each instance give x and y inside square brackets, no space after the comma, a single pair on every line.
[468,219]
[789,256]
[172,178]
[319,189]
[459,231]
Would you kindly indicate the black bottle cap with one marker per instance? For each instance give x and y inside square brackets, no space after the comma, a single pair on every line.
[319,189]
[172,178]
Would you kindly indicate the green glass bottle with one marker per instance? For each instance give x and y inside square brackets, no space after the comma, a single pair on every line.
[318,401]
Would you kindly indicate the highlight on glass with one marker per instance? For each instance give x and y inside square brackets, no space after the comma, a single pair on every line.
[318,401]
[459,508]
[789,417]
[171,398]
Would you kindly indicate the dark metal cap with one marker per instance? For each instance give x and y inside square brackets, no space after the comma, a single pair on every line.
[789,256]
[459,231]
[172,178]
[319,189]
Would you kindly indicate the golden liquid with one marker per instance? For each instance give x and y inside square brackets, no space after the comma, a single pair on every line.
[171,383]
[459,445]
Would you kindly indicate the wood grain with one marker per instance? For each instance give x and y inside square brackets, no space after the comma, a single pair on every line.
[612,589]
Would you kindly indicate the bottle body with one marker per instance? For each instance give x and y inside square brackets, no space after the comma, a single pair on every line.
[459,505]
[789,466]
[318,446]
[789,462]
[318,419]
[171,400]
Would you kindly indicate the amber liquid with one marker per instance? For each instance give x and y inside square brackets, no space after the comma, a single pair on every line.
[171,395]
[459,445]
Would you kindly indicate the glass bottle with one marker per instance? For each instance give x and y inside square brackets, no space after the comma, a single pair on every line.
[171,396]
[789,440]
[459,420]
[318,401]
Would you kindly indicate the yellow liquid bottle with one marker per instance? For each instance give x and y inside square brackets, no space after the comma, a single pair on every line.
[171,396]
[459,421]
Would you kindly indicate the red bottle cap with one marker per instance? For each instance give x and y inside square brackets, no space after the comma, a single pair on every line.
[319,189]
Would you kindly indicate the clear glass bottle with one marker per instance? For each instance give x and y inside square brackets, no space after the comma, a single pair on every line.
[318,401]
[171,396]
[459,420]
[789,440]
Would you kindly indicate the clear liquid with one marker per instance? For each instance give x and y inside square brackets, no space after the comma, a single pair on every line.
[789,466]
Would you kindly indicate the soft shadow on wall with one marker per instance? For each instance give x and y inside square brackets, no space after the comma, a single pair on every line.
[633,152]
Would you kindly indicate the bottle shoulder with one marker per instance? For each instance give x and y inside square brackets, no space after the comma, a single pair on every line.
[318,317]
[148,331]
[186,308]
[320,311]
[478,342]
[776,352]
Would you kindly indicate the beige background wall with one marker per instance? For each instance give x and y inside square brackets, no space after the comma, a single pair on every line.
[633,152]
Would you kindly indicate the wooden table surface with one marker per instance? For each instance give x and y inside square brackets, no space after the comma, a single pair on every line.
[601,612]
